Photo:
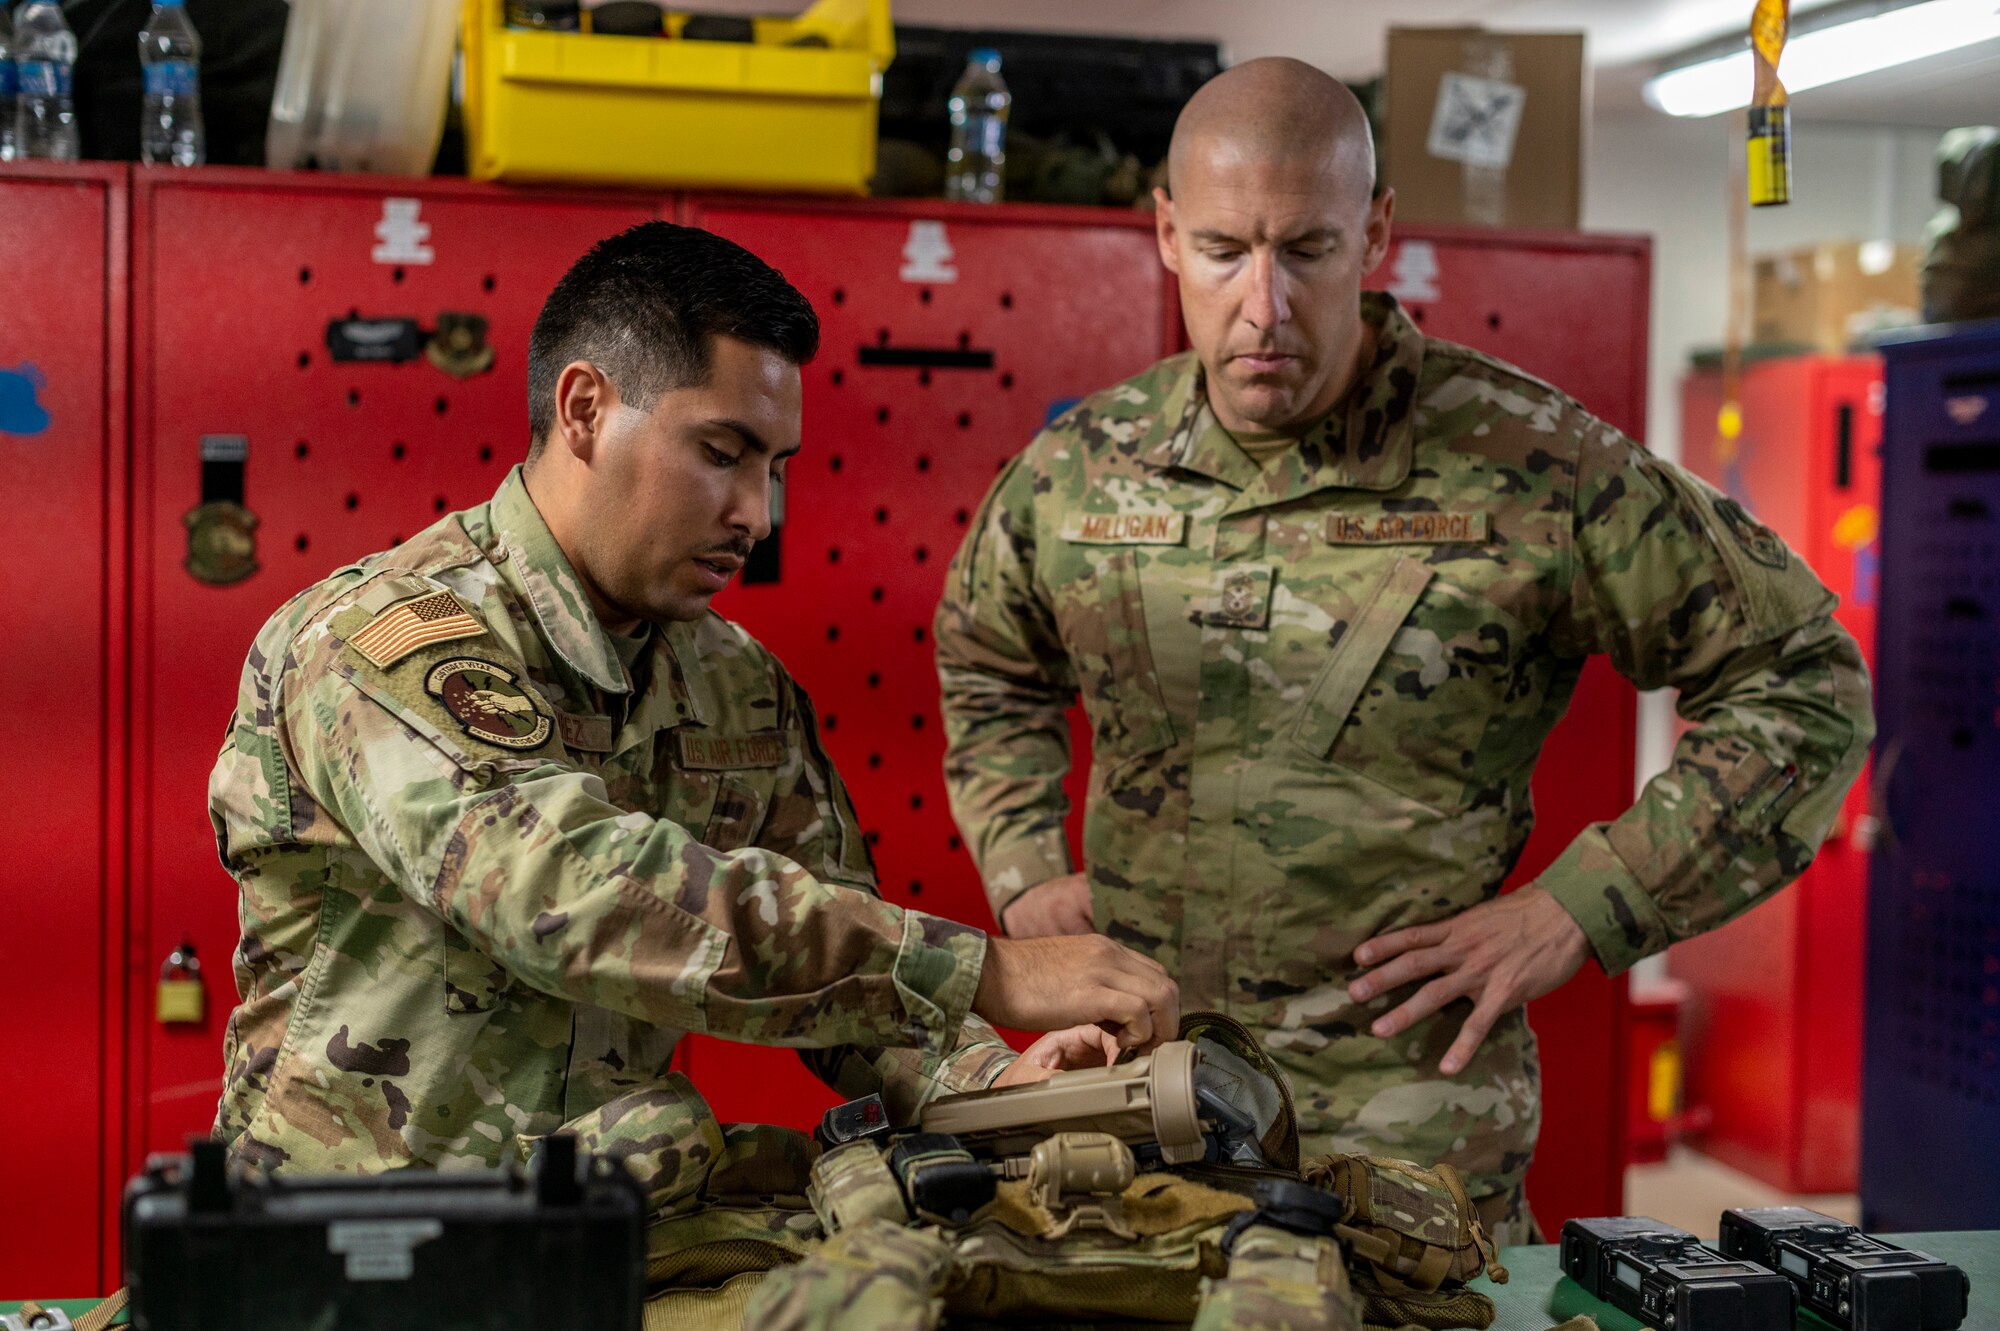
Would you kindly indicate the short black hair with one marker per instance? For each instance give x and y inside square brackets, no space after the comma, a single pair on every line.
[643,307]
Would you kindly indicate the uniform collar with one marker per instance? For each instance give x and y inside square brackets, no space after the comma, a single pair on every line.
[1363,444]
[537,566]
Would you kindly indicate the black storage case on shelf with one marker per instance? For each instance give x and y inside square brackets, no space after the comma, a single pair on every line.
[210,1249]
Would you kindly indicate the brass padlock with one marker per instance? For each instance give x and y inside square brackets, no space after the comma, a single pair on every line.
[181,997]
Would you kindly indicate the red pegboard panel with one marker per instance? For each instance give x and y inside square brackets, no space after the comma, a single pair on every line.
[237,275]
[1058,302]
[1571,309]
[62,446]
[1772,1033]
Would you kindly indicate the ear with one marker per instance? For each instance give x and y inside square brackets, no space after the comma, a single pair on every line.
[1163,229]
[1381,212]
[585,399]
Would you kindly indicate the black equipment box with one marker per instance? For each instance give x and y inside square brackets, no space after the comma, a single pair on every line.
[559,1248]
[1665,1277]
[1851,1280]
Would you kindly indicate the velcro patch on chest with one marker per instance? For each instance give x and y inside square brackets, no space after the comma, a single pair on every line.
[396,632]
[1125,528]
[1382,528]
[724,753]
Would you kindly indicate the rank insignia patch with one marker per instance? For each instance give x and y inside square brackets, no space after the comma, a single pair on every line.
[1241,599]
[395,633]
[487,704]
[1758,541]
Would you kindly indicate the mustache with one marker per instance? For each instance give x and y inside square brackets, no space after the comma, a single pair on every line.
[739,548]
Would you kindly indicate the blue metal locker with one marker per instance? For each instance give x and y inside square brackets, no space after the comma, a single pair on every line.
[1930,1132]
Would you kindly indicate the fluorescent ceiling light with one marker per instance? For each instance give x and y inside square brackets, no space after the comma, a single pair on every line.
[1830,54]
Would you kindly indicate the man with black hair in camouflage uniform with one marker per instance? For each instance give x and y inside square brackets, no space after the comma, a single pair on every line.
[511,809]
[1325,585]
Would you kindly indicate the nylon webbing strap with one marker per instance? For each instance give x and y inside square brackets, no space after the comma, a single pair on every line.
[103,1314]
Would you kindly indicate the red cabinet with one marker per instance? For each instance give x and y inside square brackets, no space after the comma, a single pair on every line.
[62,879]
[236,275]
[1772,1032]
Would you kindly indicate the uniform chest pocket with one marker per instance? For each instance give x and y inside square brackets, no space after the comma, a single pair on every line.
[1101,616]
[738,813]
[1413,690]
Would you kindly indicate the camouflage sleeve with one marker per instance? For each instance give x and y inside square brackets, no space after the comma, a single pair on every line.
[1007,686]
[524,854]
[1682,587]
[814,823]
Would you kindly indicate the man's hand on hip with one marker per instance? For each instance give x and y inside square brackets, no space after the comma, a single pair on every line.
[1059,906]
[1500,954]
[1046,984]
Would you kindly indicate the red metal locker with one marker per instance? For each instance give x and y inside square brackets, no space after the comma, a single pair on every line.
[237,274]
[62,887]
[1772,1036]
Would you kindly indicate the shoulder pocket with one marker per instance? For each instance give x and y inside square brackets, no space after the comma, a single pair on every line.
[1773,589]
[1340,681]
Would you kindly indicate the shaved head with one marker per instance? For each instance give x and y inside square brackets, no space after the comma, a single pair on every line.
[1276,109]
[1270,220]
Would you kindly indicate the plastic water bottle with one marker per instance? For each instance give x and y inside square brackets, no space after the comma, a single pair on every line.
[44,61]
[977,165]
[170,129]
[6,84]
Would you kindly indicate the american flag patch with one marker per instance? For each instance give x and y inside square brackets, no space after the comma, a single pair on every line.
[394,634]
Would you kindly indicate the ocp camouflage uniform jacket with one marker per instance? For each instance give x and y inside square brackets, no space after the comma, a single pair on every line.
[470,919]
[1316,693]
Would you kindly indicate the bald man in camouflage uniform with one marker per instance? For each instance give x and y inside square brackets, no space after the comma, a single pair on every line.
[512,810]
[1325,586]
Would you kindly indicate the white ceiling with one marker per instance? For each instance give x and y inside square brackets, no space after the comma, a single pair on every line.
[1625,39]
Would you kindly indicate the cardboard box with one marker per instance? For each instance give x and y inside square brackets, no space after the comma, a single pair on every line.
[1824,296]
[1485,127]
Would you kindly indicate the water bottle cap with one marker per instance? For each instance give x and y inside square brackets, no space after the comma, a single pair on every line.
[984,55]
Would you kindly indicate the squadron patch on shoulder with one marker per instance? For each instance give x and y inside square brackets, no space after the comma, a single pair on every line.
[1758,541]
[395,633]
[487,703]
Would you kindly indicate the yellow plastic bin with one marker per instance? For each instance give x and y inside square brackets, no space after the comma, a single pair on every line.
[656,111]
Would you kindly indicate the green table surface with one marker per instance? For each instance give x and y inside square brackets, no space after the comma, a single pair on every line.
[1536,1296]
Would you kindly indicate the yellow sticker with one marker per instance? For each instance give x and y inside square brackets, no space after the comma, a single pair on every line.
[1405,528]
[722,753]
[1126,528]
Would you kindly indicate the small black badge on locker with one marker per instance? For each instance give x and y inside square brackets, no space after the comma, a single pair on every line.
[459,346]
[222,533]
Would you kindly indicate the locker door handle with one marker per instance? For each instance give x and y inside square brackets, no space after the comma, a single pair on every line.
[1843,446]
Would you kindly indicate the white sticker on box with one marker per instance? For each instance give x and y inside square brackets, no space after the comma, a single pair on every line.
[927,254]
[401,234]
[1476,120]
[380,1249]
